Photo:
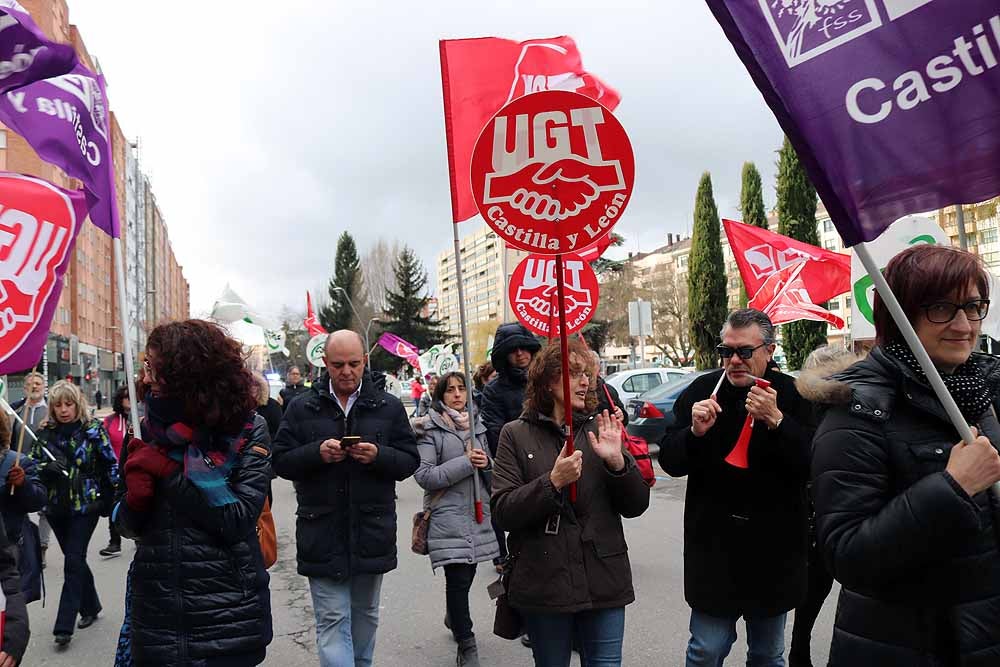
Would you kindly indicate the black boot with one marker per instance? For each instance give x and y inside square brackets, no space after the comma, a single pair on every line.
[468,654]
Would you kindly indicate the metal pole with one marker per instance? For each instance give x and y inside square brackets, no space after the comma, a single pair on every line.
[503,281]
[126,343]
[477,496]
[564,350]
[905,328]
[963,243]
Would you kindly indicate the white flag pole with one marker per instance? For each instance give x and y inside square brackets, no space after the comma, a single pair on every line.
[126,342]
[470,404]
[910,335]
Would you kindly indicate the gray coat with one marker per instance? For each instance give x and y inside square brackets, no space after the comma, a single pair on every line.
[453,535]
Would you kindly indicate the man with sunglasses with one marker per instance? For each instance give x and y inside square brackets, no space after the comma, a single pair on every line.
[744,528]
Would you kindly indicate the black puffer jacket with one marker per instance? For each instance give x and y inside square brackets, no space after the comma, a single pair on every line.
[744,529]
[347,511]
[917,558]
[291,392]
[199,588]
[15,629]
[503,398]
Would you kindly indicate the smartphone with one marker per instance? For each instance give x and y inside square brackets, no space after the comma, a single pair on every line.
[349,441]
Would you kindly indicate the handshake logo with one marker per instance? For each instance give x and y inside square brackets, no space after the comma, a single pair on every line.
[556,170]
[36,232]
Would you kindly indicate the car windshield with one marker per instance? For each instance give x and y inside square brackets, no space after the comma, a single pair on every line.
[668,388]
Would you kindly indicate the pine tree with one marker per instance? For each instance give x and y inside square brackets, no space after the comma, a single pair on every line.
[752,208]
[404,310]
[797,219]
[347,276]
[706,278]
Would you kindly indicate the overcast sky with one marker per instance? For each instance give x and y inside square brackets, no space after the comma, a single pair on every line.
[270,128]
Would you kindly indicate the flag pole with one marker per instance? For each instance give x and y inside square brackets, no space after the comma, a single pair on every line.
[470,404]
[910,335]
[564,350]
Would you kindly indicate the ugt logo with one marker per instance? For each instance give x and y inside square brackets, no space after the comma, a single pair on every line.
[807,28]
[38,224]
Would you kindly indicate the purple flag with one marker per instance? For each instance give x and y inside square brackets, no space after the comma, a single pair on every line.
[892,105]
[38,226]
[65,119]
[26,54]
[395,345]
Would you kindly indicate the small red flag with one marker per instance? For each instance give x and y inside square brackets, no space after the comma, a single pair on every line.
[311,323]
[478,76]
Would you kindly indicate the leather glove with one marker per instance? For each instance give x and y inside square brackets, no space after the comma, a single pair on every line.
[15,478]
[52,470]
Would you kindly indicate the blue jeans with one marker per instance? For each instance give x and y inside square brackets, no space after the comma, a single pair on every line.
[712,638]
[599,631]
[346,619]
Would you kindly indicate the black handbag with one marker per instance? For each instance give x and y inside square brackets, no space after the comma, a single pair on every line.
[507,621]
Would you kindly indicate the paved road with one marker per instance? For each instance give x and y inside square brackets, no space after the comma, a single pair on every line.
[411,632]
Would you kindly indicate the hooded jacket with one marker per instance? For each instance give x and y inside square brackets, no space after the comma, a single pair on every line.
[503,398]
[745,530]
[346,517]
[917,558]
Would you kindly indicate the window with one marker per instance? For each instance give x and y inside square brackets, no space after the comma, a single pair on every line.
[641,383]
[682,261]
[830,245]
[847,302]
[828,226]
[988,235]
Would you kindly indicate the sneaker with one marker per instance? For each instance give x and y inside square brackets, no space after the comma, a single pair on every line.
[63,641]
[111,551]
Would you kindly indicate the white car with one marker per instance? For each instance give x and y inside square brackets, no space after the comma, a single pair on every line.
[631,383]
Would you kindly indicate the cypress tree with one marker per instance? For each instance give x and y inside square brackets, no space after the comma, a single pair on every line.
[752,208]
[346,275]
[797,201]
[706,278]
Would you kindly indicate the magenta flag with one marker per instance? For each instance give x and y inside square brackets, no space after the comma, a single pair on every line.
[38,227]
[26,54]
[395,345]
[892,105]
[66,120]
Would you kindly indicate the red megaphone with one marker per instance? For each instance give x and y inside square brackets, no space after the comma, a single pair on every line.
[738,457]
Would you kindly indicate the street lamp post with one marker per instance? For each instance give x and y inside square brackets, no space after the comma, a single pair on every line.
[355,311]
[367,329]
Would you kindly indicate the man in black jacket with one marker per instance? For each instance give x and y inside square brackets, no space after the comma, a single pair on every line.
[293,387]
[503,397]
[345,487]
[744,528]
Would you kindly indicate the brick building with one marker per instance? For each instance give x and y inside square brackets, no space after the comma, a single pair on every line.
[85,338]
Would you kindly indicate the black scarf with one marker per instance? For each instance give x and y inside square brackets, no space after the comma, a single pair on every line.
[968,385]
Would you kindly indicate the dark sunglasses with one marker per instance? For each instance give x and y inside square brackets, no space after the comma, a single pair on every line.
[743,352]
[942,312]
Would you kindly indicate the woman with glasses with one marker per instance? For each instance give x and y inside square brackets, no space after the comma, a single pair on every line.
[904,510]
[568,572]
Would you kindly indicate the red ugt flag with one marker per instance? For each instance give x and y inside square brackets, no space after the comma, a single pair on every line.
[312,324]
[785,298]
[478,76]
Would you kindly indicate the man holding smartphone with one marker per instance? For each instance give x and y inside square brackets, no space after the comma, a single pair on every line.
[345,444]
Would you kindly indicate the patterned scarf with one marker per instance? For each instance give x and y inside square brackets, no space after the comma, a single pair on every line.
[207,457]
[968,385]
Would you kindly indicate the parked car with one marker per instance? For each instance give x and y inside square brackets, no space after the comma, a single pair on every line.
[652,413]
[631,383]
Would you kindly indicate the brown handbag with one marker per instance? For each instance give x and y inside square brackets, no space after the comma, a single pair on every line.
[421,523]
[267,535]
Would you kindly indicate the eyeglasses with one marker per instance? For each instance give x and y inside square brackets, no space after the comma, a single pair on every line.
[942,312]
[743,352]
[579,375]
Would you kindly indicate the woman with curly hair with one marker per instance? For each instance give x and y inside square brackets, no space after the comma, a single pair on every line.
[568,571]
[78,467]
[194,487]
